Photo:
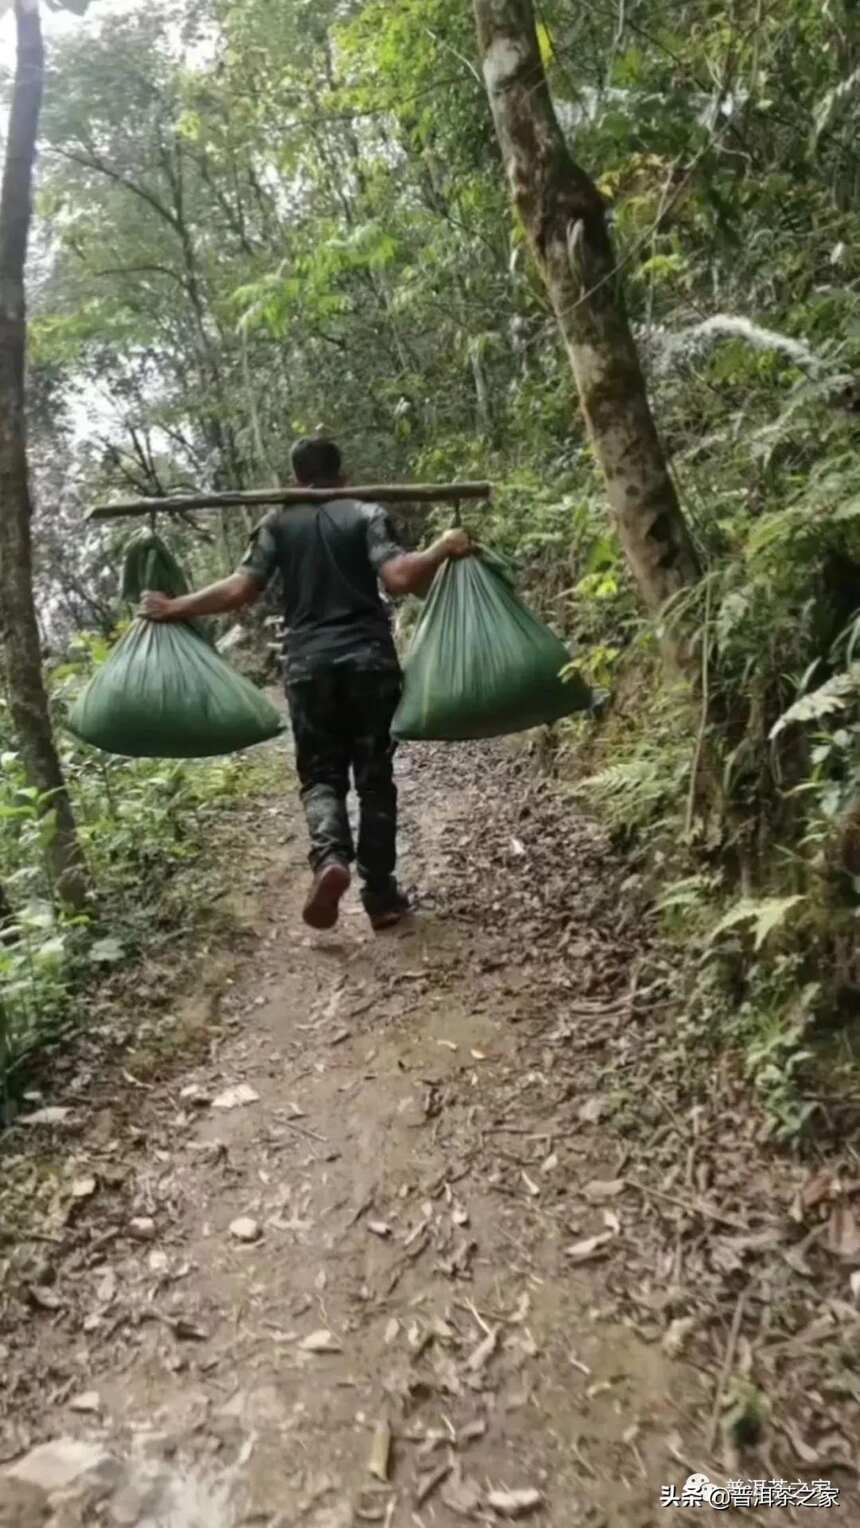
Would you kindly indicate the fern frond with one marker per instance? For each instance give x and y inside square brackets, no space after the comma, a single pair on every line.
[827,699]
[630,794]
[833,104]
[765,913]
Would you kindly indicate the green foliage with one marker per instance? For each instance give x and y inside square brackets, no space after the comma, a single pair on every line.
[140,824]
[645,769]
[269,217]
[635,793]
[763,915]
[773,1024]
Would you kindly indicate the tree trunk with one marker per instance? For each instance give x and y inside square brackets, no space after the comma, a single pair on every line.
[564,219]
[27,697]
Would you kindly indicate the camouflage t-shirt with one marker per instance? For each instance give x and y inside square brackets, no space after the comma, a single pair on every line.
[329,557]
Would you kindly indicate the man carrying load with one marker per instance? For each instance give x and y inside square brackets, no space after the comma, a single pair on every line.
[342,671]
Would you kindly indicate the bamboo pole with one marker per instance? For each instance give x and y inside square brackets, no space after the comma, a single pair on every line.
[379,493]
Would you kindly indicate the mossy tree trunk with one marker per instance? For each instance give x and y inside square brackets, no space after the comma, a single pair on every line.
[21,647]
[564,219]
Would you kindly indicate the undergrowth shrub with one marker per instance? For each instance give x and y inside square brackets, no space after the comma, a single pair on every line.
[140,821]
[745,798]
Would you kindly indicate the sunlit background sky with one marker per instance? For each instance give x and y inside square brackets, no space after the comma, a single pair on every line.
[57,23]
[89,411]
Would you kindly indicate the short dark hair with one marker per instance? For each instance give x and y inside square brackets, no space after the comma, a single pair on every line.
[315,460]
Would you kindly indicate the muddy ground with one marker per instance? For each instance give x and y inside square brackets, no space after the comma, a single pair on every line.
[434,1227]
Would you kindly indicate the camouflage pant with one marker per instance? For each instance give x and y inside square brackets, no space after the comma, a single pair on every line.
[342,720]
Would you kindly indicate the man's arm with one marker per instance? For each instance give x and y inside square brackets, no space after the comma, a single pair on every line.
[231,593]
[413,572]
[242,587]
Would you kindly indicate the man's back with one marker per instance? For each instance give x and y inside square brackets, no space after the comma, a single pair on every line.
[328,556]
[343,678]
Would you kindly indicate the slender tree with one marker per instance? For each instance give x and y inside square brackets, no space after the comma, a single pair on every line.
[564,219]
[18,625]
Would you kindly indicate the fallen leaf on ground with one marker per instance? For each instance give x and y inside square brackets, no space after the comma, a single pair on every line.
[514,1503]
[427,1484]
[471,1432]
[45,1298]
[806,1455]
[820,1186]
[83,1188]
[233,1098]
[843,1233]
[592,1246]
[417,1229]
[462,1496]
[320,1342]
[523,1307]
[142,1228]
[370,1512]
[795,1259]
[593,1110]
[188,1331]
[483,1352]
[676,1335]
[54,1114]
[333,1004]
[549,1163]
[194,1094]
[106,1288]
[391,1331]
[380,1452]
[604,1188]
[435,1438]
[442,1329]
[245,1229]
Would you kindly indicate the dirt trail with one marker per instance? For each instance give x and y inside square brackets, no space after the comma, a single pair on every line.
[402,1228]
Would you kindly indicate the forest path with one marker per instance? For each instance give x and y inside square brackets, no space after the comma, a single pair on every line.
[427,1194]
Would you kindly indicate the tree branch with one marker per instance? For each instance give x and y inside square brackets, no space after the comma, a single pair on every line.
[94,162]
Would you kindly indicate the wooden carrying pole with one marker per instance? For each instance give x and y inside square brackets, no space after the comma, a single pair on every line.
[378,493]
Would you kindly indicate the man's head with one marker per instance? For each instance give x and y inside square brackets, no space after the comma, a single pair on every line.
[316,463]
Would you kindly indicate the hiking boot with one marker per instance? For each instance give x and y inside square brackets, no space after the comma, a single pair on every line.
[385,908]
[329,885]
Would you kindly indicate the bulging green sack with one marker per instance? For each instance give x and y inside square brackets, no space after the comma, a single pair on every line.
[480,664]
[164,693]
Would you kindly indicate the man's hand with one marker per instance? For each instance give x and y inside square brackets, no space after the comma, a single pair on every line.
[455,543]
[156,607]
[413,572]
[241,588]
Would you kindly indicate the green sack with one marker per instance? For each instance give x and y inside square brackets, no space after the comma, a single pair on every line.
[479,663]
[150,564]
[164,693]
